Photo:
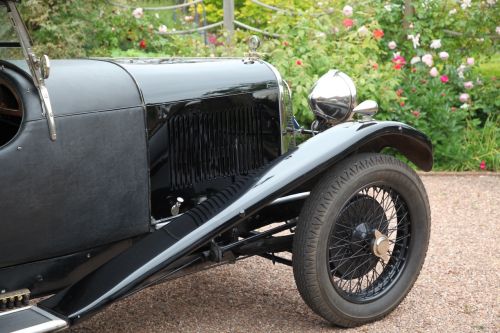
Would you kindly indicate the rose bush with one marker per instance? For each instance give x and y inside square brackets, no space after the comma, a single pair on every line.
[422,64]
[444,95]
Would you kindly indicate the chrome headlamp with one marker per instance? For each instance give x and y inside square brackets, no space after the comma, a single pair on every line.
[333,97]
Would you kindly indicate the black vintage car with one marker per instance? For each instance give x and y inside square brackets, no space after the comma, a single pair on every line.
[120,174]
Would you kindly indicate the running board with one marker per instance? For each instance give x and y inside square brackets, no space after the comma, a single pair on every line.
[30,319]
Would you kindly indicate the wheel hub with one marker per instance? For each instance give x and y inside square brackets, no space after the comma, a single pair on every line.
[380,245]
[356,257]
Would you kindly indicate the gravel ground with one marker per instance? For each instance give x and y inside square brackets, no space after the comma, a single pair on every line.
[457,291]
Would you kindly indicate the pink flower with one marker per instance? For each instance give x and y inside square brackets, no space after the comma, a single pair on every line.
[298,62]
[444,55]
[392,45]
[416,114]
[470,61]
[348,23]
[434,72]
[212,39]
[468,85]
[482,165]
[444,78]
[347,11]
[399,61]
[464,97]
[143,44]
[427,59]
[375,66]
[138,13]
[285,43]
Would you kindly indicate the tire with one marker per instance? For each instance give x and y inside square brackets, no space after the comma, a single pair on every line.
[344,270]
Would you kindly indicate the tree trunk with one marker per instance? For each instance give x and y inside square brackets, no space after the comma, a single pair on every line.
[408,13]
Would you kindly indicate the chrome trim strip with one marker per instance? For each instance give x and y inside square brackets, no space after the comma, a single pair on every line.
[3,313]
[281,104]
[54,323]
[163,222]
[289,198]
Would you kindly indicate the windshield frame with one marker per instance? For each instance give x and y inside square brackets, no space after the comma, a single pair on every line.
[39,67]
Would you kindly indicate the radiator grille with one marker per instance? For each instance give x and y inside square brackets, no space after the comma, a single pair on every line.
[205,145]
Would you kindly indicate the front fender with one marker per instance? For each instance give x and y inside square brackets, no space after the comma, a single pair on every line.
[186,233]
[412,143]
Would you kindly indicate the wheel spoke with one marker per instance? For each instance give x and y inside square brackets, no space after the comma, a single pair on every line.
[399,239]
[355,270]
[343,246]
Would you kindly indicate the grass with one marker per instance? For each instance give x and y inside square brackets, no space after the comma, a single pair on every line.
[491,68]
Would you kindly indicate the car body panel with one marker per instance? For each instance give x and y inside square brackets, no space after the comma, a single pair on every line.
[43,277]
[83,86]
[186,233]
[181,79]
[54,197]
[92,186]
[55,200]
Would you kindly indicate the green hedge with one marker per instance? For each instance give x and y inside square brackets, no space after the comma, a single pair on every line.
[454,99]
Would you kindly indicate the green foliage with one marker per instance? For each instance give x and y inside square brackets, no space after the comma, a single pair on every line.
[315,44]
[316,37]
[63,28]
[467,35]
[461,29]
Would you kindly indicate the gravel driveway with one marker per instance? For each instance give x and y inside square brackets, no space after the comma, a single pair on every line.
[458,289]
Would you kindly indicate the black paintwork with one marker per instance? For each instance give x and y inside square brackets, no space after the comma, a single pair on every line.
[91,186]
[176,80]
[197,126]
[79,87]
[201,146]
[51,275]
[209,121]
[190,231]
[56,198]
[53,192]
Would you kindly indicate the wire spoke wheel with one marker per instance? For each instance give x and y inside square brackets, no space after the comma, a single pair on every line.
[368,244]
[361,239]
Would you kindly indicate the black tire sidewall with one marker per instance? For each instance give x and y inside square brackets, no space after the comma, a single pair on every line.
[409,187]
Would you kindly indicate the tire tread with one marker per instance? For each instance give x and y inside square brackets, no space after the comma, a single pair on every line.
[311,221]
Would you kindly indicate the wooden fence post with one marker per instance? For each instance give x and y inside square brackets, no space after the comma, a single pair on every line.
[229,19]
